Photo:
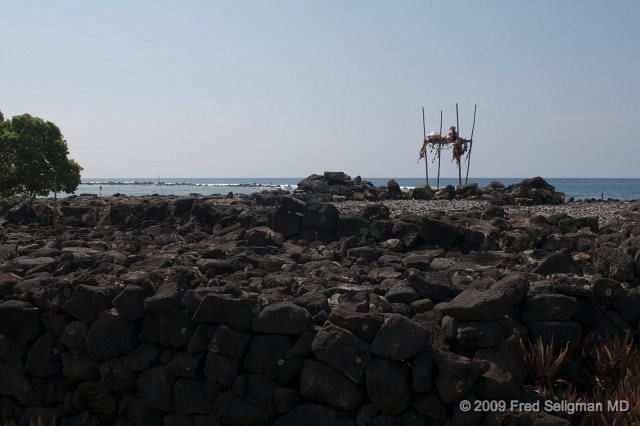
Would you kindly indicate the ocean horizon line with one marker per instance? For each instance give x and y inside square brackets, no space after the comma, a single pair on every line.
[364,177]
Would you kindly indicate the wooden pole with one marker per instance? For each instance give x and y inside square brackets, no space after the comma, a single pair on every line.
[426,148]
[55,200]
[458,130]
[471,142]
[439,148]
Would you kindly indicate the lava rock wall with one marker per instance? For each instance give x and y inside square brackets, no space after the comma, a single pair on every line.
[198,311]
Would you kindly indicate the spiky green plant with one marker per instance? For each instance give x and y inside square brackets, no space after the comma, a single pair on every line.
[542,366]
[31,423]
[612,368]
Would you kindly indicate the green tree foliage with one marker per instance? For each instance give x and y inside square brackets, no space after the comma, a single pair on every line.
[33,153]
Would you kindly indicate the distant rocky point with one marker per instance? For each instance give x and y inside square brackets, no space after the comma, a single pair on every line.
[338,186]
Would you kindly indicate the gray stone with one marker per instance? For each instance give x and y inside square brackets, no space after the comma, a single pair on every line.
[628,303]
[457,375]
[221,369]
[155,387]
[44,358]
[194,396]
[483,334]
[86,302]
[20,320]
[320,383]
[548,307]
[430,405]
[560,333]
[474,305]
[185,365]
[238,313]
[342,351]
[74,336]
[399,338]
[111,336]
[130,303]
[281,318]
[230,342]
[559,262]
[271,355]
[388,385]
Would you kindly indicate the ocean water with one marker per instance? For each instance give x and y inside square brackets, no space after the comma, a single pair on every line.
[622,189]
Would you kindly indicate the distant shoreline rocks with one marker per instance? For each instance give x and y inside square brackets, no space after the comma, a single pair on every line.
[149,183]
[338,186]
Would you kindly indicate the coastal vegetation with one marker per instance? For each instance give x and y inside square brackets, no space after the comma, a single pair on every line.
[34,158]
[609,371]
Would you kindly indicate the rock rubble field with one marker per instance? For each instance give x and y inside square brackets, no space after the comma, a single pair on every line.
[338,304]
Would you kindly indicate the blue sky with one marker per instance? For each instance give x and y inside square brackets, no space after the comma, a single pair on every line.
[290,88]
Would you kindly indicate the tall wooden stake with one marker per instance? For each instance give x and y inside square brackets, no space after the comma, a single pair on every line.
[458,129]
[426,163]
[55,200]
[439,147]
[471,142]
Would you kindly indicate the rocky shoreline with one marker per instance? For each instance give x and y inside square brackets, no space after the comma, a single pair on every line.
[338,304]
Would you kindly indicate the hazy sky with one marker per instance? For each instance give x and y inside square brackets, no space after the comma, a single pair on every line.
[290,88]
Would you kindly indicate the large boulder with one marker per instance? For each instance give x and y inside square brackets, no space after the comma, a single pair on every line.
[458,374]
[365,325]
[238,313]
[228,341]
[321,217]
[195,396]
[440,233]
[628,303]
[337,178]
[374,212]
[171,330]
[389,385]
[548,307]
[86,302]
[352,226]
[614,262]
[270,354]
[44,358]
[281,318]
[559,262]
[514,285]
[287,224]
[474,305]
[399,338]
[289,204]
[20,320]
[394,189]
[561,333]
[155,387]
[434,286]
[111,336]
[321,383]
[342,350]
[423,192]
[504,378]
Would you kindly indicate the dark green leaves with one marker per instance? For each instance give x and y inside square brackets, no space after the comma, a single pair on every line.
[32,154]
